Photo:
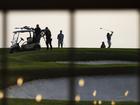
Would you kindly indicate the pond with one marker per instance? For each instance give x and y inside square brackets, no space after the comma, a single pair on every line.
[107,88]
[99,62]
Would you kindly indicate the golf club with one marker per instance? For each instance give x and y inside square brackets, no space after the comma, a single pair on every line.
[42,35]
[105,29]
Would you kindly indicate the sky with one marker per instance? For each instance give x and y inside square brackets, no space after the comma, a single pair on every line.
[124,24]
[54,20]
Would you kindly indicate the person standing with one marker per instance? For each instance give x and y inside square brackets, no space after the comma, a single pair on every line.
[48,38]
[60,38]
[37,34]
[109,35]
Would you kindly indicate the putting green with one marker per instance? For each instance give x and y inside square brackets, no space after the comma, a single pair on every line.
[43,58]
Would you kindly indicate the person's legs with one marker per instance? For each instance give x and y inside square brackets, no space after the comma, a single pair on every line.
[109,43]
[51,45]
[61,44]
[58,44]
[38,39]
[47,44]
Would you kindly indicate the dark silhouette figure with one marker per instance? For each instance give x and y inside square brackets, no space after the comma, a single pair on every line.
[60,38]
[48,38]
[37,34]
[103,45]
[109,38]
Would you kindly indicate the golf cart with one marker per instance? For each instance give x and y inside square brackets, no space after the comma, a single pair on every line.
[28,44]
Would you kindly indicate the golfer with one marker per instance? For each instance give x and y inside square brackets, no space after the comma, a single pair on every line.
[60,38]
[108,36]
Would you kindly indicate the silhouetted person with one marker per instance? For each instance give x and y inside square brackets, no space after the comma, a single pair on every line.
[60,38]
[48,38]
[37,35]
[109,39]
[103,45]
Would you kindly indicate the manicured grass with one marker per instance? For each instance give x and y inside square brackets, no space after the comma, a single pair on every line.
[49,65]
[42,59]
[79,54]
[58,102]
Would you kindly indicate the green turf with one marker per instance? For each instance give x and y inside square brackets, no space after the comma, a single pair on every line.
[46,59]
[80,54]
[58,102]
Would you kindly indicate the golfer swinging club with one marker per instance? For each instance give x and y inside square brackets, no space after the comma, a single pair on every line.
[109,35]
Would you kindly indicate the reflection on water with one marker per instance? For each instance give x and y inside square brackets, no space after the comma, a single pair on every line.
[105,88]
[108,88]
[99,62]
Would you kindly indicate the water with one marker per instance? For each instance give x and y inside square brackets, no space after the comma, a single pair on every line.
[99,62]
[107,87]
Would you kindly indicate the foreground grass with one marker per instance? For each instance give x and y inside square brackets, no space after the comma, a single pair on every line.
[58,102]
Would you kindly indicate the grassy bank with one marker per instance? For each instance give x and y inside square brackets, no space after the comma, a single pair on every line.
[56,102]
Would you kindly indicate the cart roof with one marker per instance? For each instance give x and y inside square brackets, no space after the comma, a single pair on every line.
[22,31]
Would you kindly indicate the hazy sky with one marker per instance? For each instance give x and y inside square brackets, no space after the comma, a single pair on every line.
[54,20]
[124,23]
